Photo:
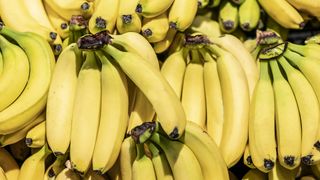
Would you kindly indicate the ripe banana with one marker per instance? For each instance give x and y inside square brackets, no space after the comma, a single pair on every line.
[150,9]
[255,174]
[182,13]
[262,138]
[15,61]
[127,156]
[308,106]
[177,155]
[104,16]
[129,23]
[61,99]
[193,83]
[162,46]
[165,102]
[86,114]
[36,137]
[213,94]
[155,29]
[113,116]
[55,168]
[249,15]
[235,95]
[206,25]
[288,126]
[228,16]
[247,158]
[312,7]
[308,50]
[33,98]
[9,164]
[142,167]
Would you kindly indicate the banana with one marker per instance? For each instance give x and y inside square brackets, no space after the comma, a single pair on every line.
[280,173]
[104,16]
[127,156]
[238,2]
[213,95]
[290,17]
[91,175]
[162,46]
[165,102]
[249,15]
[142,167]
[21,133]
[177,44]
[206,25]
[160,163]
[55,168]
[228,16]
[262,138]
[288,126]
[3,174]
[182,160]
[85,115]
[206,151]
[308,50]
[247,158]
[67,174]
[1,64]
[114,173]
[36,137]
[33,99]
[155,29]
[61,99]
[311,7]
[34,166]
[150,9]
[237,49]
[308,106]
[235,96]
[255,174]
[15,61]
[9,165]
[113,117]
[203,3]
[193,94]
[173,69]
[129,23]
[182,13]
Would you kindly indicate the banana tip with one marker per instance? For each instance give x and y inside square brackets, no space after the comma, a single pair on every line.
[289,160]
[174,134]
[100,22]
[28,141]
[228,25]
[307,160]
[268,164]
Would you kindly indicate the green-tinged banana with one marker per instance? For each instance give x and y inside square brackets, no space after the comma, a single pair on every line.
[129,23]
[34,166]
[214,3]
[104,16]
[173,69]
[213,95]
[1,64]
[247,158]
[55,168]
[309,50]
[183,162]
[290,17]
[249,15]
[160,163]
[21,133]
[165,102]
[36,137]
[67,174]
[142,167]
[237,49]
[155,29]
[311,7]
[3,174]
[272,25]
[162,46]
[127,156]
[203,3]
[86,114]
[113,116]
[33,99]
[19,150]
[236,97]
[262,138]
[250,45]
[59,24]
[255,174]
[206,151]
[206,26]
[9,165]
[288,125]
[61,99]
[15,61]
[228,16]
[153,8]
[308,106]
[67,9]
[193,97]
[315,39]
[238,2]
[281,173]
[182,13]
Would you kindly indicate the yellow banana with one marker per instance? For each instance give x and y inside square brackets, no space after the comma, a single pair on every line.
[249,15]
[247,158]
[228,16]
[155,29]
[150,9]
[182,13]
[55,168]
[9,165]
[312,7]
[36,137]
[129,23]
[255,174]
[280,173]
[206,26]
[142,167]
[162,46]
[127,156]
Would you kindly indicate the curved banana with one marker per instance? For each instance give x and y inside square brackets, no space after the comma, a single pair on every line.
[104,16]
[182,13]
[155,29]
[86,114]
[247,158]
[9,165]
[129,23]
[150,9]
[162,46]
[35,137]
[113,116]
[308,50]
[308,106]
[60,101]
[255,174]
[165,102]
[55,168]
[236,97]
[228,16]
[193,98]
[127,156]
[288,126]
[206,25]
[249,15]
[15,61]
[33,99]
[177,155]
[142,167]
[312,7]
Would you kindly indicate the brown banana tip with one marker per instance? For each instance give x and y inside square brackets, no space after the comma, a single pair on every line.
[173,25]
[307,160]
[302,25]
[228,25]
[85,6]
[139,8]
[289,160]
[98,172]
[268,164]
[64,26]
[174,134]
[126,19]
[249,160]
[196,40]
[51,173]
[147,32]
[246,26]
[100,22]
[53,35]
[317,145]
[57,48]
[28,141]
[199,4]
